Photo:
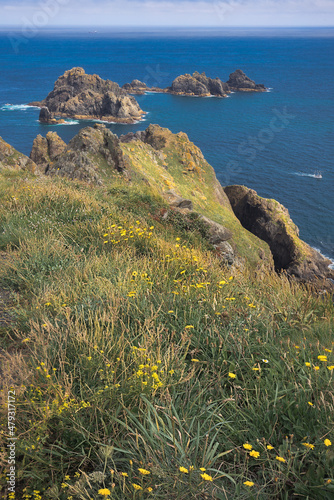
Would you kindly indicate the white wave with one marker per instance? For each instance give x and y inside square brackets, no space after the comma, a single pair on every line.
[17,107]
[69,122]
[302,174]
[331,266]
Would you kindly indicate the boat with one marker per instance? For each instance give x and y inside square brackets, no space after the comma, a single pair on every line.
[317,175]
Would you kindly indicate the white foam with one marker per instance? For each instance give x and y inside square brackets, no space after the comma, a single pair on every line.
[17,107]
[331,266]
[69,122]
[302,174]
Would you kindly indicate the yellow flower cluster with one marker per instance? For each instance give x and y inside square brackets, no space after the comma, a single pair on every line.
[120,234]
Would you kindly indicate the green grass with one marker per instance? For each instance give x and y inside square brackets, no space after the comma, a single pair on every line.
[133,347]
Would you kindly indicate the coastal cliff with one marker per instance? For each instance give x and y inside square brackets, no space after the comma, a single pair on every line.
[242,225]
[81,96]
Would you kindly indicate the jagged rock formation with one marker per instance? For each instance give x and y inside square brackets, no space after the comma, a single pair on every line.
[270,221]
[239,81]
[81,96]
[10,158]
[45,151]
[198,85]
[89,156]
[135,87]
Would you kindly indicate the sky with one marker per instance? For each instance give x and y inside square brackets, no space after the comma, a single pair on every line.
[185,13]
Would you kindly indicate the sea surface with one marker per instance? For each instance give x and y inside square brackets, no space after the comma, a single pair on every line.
[274,142]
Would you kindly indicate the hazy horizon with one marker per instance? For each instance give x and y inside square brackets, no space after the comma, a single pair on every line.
[168,13]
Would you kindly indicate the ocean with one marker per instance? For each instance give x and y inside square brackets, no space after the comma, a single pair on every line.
[274,142]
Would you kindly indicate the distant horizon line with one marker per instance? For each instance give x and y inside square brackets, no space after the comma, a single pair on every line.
[92,26]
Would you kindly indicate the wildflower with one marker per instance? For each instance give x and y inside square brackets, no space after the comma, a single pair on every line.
[26,340]
[269,447]
[136,486]
[170,312]
[184,470]
[203,469]
[232,375]
[144,472]
[67,478]
[311,404]
[188,327]
[206,477]
[316,368]
[254,454]
[195,360]
[327,442]
[249,483]
[149,489]
[280,459]
[104,492]
[124,474]
[308,364]
[265,361]
[328,350]
[252,305]
[330,368]
[256,369]
[322,358]
[308,445]
[89,358]
[247,446]
[171,372]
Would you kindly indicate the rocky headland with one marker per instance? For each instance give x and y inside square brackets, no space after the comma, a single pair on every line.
[199,85]
[242,227]
[77,95]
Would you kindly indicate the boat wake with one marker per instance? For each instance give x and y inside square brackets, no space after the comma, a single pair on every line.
[17,107]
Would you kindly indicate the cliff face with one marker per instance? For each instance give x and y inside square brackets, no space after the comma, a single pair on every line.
[10,158]
[81,96]
[271,222]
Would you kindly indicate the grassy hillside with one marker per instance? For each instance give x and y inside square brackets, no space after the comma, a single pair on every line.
[145,368]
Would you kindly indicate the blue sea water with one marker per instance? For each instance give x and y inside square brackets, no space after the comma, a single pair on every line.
[273,142]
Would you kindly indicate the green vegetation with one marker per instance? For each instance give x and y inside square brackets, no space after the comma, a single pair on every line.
[144,368]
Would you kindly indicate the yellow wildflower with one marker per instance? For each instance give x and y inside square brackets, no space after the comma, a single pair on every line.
[308,364]
[327,442]
[144,472]
[254,454]
[206,477]
[136,486]
[249,483]
[308,445]
[203,469]
[311,404]
[149,489]
[124,474]
[247,446]
[330,368]
[184,470]
[269,447]
[195,360]
[188,327]
[232,375]
[322,358]
[280,459]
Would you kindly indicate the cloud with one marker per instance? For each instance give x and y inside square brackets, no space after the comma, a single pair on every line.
[217,13]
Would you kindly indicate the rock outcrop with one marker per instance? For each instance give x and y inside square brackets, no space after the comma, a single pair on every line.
[240,82]
[10,158]
[270,221]
[81,96]
[135,87]
[91,155]
[46,150]
[198,85]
